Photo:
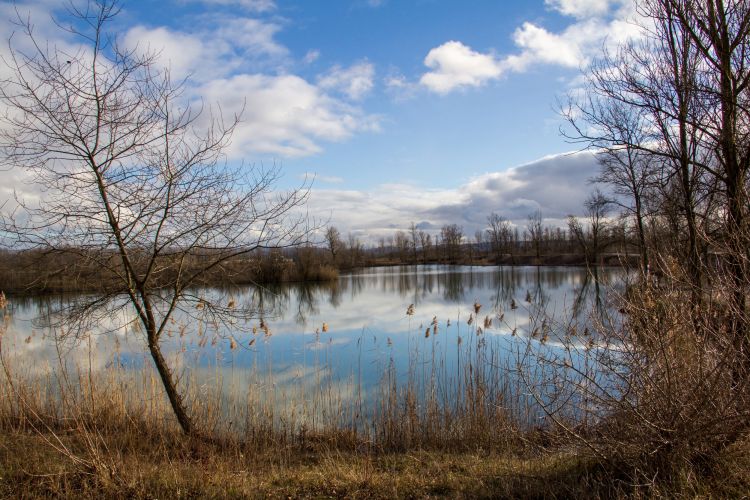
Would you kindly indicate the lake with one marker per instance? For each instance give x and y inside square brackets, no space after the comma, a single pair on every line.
[344,344]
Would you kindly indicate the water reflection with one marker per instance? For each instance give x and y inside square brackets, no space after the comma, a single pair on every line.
[367,331]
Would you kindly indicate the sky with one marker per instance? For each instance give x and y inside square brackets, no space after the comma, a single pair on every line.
[400,111]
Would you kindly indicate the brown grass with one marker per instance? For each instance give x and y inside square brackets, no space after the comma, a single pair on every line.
[171,466]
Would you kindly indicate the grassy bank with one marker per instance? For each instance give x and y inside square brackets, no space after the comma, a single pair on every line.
[139,465]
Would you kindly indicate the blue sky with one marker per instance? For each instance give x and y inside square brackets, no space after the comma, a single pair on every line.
[404,110]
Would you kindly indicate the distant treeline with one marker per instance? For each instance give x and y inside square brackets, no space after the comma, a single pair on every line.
[595,240]
[75,269]
[71,269]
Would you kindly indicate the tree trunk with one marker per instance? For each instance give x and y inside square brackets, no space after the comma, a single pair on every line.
[175,399]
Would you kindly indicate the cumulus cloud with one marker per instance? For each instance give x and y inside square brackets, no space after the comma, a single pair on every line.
[284,115]
[180,52]
[209,53]
[235,63]
[557,185]
[580,8]
[453,65]
[540,46]
[355,82]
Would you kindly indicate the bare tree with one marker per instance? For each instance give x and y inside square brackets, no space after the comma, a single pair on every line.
[414,233]
[670,111]
[356,250]
[499,234]
[535,230]
[594,240]
[402,243]
[334,242]
[131,182]
[425,241]
[452,234]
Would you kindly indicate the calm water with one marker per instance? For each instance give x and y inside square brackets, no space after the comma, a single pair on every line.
[348,333]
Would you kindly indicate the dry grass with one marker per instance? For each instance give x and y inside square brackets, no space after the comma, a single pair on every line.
[171,466]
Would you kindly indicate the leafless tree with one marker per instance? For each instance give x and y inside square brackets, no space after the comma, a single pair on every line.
[629,171]
[414,234]
[402,243]
[356,250]
[670,113]
[499,234]
[334,242]
[425,241]
[535,229]
[451,235]
[130,179]
[592,240]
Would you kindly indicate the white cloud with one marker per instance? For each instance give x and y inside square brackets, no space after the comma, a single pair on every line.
[355,81]
[580,8]
[180,52]
[250,36]
[557,185]
[284,115]
[540,46]
[454,65]
[209,53]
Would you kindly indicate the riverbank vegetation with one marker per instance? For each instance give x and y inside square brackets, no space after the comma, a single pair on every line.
[653,399]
